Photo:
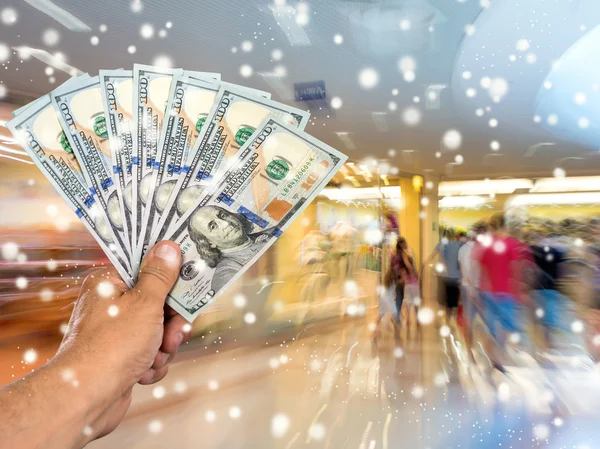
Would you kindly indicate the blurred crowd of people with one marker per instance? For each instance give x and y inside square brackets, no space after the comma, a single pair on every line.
[530,286]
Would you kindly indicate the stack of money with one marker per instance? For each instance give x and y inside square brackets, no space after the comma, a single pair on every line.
[154,154]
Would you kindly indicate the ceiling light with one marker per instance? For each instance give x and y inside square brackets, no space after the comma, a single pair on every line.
[364,193]
[571,184]
[497,186]
[554,199]
[465,202]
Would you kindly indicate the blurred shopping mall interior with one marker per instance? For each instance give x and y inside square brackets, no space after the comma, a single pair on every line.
[453,113]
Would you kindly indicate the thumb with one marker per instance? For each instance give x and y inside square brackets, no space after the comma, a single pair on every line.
[159,271]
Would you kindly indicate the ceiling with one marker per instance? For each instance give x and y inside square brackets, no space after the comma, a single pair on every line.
[511,47]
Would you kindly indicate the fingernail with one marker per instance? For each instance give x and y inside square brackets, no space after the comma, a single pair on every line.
[165,357]
[178,338]
[167,253]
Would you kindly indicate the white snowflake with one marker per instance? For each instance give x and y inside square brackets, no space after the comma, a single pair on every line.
[246,70]
[50,37]
[155,426]
[163,61]
[113,310]
[8,16]
[579,98]
[541,431]
[559,172]
[522,45]
[210,416]
[10,251]
[280,424]
[21,282]
[30,356]
[247,46]
[105,289]
[368,78]
[452,139]
[336,103]
[235,412]
[46,295]
[147,31]
[158,392]
[240,301]
[425,315]
[411,116]
[317,431]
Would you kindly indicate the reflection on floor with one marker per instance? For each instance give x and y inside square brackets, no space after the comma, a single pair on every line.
[327,385]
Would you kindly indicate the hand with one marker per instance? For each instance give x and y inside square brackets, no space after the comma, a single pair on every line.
[128,336]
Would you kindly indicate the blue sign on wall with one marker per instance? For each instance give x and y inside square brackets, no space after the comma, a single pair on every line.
[314,90]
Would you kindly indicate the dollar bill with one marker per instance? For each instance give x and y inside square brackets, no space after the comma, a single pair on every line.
[116,87]
[81,114]
[38,130]
[269,182]
[190,100]
[235,115]
[151,91]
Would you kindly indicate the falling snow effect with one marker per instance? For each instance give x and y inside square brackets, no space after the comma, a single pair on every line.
[10,251]
[155,426]
[240,301]
[411,116]
[452,139]
[246,71]
[113,310]
[163,61]
[368,78]
[105,289]
[21,282]
[280,424]
[30,356]
[50,37]
[147,31]
[336,103]
[8,16]
[4,52]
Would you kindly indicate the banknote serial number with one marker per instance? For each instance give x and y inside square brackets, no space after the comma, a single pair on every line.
[299,176]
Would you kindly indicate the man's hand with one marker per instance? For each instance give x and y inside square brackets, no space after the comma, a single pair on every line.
[116,338]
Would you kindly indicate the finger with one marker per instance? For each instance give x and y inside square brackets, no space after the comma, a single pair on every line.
[159,271]
[162,359]
[177,331]
[153,375]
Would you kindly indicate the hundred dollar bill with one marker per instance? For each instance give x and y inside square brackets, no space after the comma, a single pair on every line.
[235,115]
[116,87]
[38,130]
[151,87]
[158,165]
[269,182]
[190,100]
[81,114]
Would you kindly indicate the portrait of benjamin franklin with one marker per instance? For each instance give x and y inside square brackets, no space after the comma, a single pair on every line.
[224,241]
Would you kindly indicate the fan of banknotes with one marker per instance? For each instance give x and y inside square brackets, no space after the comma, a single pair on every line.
[149,154]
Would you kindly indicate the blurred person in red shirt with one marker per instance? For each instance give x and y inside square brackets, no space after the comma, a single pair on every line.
[502,263]
[468,261]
